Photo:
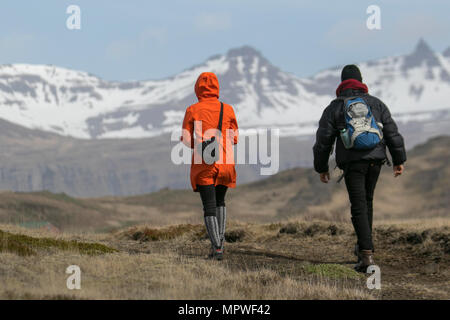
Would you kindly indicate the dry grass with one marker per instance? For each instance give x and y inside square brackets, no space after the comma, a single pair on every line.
[155,276]
[168,275]
[291,260]
[147,233]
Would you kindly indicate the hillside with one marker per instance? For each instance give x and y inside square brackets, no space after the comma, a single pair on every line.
[295,193]
[34,160]
[288,237]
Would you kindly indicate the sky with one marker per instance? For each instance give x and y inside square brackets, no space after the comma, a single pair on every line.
[142,39]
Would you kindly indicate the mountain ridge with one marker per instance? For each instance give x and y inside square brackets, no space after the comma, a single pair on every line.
[79,104]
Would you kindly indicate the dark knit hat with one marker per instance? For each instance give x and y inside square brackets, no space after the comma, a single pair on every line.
[351,71]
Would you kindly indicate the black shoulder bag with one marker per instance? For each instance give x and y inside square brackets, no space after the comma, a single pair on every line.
[210,145]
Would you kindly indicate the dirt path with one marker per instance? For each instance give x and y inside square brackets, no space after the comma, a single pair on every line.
[405,274]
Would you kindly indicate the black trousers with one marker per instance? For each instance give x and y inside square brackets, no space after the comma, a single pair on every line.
[212,196]
[361,178]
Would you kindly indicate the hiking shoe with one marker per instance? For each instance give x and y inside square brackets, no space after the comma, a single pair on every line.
[216,254]
[365,259]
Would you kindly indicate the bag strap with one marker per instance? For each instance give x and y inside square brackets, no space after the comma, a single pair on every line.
[220,118]
[339,115]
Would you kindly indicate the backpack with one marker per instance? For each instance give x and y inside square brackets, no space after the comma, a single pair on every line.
[359,130]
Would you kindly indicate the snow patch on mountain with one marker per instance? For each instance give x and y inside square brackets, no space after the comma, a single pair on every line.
[78,104]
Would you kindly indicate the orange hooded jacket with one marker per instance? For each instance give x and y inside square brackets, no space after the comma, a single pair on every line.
[207,110]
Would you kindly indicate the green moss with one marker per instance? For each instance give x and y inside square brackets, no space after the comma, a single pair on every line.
[25,245]
[334,271]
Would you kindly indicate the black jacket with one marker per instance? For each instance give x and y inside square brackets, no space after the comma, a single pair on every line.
[328,132]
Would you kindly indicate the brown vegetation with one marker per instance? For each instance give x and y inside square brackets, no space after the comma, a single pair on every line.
[288,237]
[292,260]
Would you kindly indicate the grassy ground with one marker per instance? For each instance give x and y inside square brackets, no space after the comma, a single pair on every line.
[289,260]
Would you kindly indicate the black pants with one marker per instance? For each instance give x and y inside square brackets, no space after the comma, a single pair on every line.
[361,178]
[212,197]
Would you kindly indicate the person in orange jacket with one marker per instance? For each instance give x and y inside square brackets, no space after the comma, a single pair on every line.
[211,180]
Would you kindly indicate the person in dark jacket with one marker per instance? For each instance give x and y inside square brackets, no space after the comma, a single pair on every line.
[361,167]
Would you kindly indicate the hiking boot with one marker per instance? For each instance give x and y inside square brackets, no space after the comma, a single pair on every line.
[216,254]
[221,214]
[365,259]
[212,227]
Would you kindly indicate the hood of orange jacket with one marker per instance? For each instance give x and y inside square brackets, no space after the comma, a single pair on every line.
[207,86]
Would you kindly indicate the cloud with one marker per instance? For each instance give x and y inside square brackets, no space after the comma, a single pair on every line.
[211,22]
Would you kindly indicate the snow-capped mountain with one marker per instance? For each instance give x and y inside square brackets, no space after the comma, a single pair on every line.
[81,105]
